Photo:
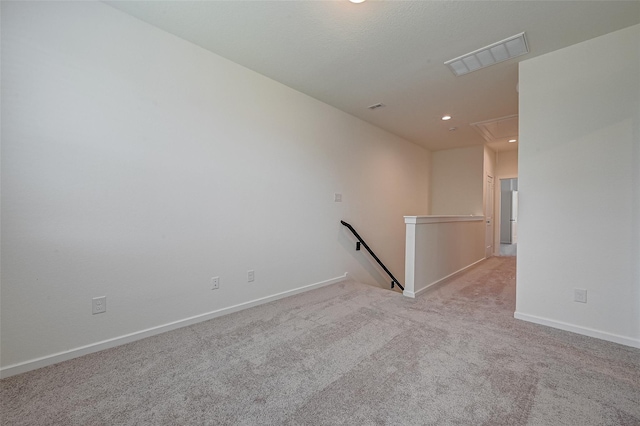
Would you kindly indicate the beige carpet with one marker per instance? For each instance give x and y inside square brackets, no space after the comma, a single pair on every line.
[347,354]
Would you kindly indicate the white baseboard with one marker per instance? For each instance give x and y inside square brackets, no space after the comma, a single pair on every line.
[441,280]
[408,293]
[627,341]
[23,367]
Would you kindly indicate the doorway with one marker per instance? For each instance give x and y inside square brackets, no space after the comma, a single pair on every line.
[508,228]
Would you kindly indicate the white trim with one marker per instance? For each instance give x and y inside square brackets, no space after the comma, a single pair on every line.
[441,280]
[410,261]
[44,361]
[408,293]
[441,219]
[627,341]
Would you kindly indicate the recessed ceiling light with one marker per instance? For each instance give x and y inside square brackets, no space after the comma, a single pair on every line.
[513,140]
[356,1]
[453,129]
[446,117]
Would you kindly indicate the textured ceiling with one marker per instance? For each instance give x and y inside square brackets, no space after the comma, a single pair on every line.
[355,55]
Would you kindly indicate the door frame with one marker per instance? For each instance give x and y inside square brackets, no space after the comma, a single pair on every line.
[493,213]
[497,201]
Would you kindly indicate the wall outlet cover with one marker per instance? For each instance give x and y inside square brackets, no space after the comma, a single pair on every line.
[99,305]
[580,295]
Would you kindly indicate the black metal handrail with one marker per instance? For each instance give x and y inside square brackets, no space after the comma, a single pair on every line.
[361,241]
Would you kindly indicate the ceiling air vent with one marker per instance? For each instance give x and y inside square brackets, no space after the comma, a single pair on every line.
[376,106]
[497,52]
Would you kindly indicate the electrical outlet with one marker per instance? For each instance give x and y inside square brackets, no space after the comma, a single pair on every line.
[337,197]
[580,295]
[251,275]
[215,283]
[99,305]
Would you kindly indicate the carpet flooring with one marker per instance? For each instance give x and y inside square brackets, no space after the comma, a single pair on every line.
[347,354]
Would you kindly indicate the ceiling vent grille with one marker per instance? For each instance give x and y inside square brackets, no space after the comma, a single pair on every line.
[376,106]
[497,52]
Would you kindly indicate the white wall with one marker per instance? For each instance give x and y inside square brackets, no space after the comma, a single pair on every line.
[457,181]
[136,165]
[507,163]
[579,185]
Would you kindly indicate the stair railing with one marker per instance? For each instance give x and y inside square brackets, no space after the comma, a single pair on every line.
[361,242]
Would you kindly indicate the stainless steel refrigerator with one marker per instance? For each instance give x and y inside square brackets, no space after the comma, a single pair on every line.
[509,217]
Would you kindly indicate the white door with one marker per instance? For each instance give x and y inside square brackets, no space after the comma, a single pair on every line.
[488,215]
